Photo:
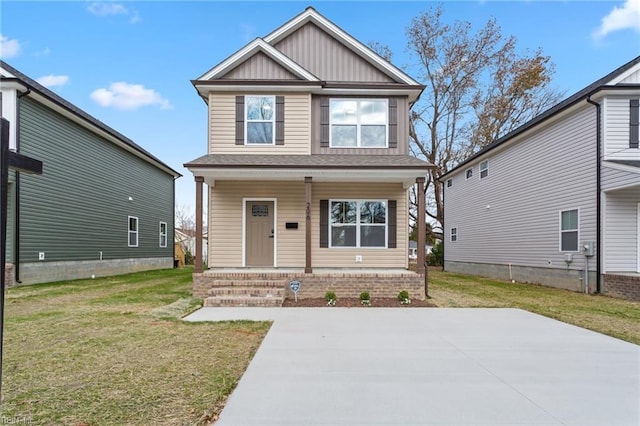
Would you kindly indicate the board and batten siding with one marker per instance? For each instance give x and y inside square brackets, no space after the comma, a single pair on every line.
[222,126]
[371,257]
[621,230]
[616,130]
[79,206]
[259,67]
[402,120]
[512,216]
[225,221]
[327,58]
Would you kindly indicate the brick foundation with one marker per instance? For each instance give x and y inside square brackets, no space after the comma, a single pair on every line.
[622,286]
[8,275]
[349,284]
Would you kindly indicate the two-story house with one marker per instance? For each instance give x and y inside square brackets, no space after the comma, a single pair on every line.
[308,166]
[556,201]
[103,204]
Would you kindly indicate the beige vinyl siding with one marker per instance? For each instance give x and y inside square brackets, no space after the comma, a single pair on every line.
[371,257]
[225,221]
[222,130]
[403,132]
[512,216]
[621,230]
[259,67]
[616,130]
[327,58]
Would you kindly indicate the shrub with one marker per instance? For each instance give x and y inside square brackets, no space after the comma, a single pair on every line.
[403,297]
[436,258]
[330,297]
[365,298]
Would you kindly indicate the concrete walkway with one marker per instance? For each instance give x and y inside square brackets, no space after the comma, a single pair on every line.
[415,366]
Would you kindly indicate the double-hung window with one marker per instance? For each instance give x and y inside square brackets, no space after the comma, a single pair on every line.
[133,231]
[484,169]
[358,223]
[569,220]
[163,234]
[260,120]
[454,235]
[359,123]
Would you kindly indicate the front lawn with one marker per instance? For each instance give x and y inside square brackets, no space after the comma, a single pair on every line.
[112,351]
[615,317]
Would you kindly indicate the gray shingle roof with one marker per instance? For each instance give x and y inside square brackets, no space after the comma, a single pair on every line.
[392,162]
[37,87]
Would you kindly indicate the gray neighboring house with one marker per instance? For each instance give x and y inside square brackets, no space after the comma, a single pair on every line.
[103,205]
[556,197]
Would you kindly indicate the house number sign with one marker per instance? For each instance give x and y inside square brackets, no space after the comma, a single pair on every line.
[295,287]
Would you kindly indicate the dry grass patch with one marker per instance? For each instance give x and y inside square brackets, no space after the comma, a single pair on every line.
[112,351]
[607,315]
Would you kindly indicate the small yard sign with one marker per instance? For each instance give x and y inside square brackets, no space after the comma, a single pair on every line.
[295,286]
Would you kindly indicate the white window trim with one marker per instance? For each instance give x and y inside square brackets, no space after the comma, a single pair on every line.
[451,234]
[466,176]
[272,121]
[244,229]
[129,231]
[486,169]
[163,235]
[357,224]
[358,124]
[449,183]
[560,230]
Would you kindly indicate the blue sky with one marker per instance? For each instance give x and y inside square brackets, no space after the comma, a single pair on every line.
[129,64]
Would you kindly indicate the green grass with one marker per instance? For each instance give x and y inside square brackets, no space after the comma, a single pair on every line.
[614,317]
[112,351]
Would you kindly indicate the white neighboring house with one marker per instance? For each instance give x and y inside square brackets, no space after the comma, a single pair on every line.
[556,197]
[413,250]
[187,239]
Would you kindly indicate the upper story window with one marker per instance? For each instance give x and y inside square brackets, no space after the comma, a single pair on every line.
[260,120]
[468,174]
[359,123]
[569,220]
[449,183]
[634,122]
[454,235]
[484,169]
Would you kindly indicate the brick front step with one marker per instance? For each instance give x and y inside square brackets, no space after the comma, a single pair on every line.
[246,283]
[266,291]
[243,301]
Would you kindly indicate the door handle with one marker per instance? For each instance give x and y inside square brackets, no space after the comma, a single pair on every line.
[271,236]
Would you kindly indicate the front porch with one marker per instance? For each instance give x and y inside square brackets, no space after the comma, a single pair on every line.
[270,286]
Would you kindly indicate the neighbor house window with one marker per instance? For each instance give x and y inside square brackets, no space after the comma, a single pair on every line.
[359,123]
[468,174]
[260,120]
[569,220]
[163,234]
[454,234]
[484,169]
[449,183]
[358,223]
[133,231]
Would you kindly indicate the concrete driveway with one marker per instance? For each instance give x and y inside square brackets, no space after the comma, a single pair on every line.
[413,366]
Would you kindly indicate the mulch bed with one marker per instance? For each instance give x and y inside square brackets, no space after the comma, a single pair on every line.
[354,302]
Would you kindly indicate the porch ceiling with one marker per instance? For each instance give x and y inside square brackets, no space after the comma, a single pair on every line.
[321,168]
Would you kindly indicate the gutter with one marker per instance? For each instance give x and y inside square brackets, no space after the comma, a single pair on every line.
[16,231]
[598,192]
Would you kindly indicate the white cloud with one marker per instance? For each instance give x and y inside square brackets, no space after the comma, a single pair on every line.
[53,80]
[109,8]
[9,47]
[127,96]
[620,18]
[44,52]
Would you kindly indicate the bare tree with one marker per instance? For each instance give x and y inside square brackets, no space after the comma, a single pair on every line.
[184,218]
[477,89]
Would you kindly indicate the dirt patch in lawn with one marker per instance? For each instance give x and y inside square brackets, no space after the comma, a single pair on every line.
[354,302]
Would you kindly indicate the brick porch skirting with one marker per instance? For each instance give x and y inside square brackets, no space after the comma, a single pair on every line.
[8,275]
[622,286]
[312,285]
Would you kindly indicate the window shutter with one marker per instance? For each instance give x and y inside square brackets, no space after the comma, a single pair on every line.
[324,223]
[392,226]
[239,120]
[324,122]
[279,120]
[634,118]
[393,122]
